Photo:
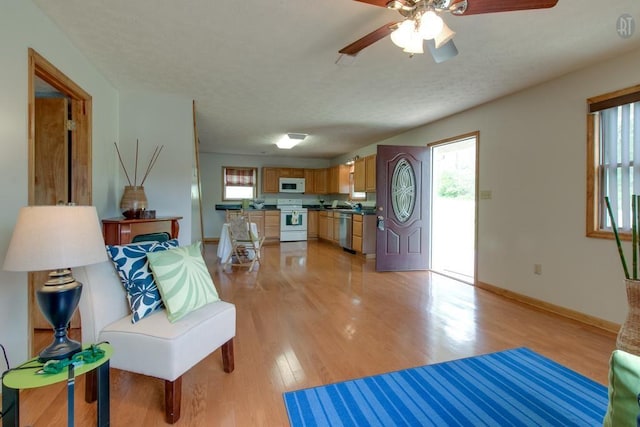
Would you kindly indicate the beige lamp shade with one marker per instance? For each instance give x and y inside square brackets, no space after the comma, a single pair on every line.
[55,237]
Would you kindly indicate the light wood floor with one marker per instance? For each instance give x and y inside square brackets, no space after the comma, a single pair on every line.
[313,314]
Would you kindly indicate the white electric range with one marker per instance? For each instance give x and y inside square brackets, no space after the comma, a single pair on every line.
[293,220]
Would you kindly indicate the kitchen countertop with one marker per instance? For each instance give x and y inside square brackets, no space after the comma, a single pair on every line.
[344,209]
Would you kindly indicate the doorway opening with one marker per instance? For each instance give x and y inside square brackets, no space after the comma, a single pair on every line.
[454,207]
[59,147]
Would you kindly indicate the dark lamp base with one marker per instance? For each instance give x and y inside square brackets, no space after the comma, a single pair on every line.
[60,349]
[58,303]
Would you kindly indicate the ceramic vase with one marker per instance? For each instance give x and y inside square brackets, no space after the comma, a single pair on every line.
[133,201]
[629,335]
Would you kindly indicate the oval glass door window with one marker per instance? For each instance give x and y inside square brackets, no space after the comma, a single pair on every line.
[403,190]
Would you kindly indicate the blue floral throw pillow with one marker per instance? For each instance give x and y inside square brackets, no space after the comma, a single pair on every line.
[133,268]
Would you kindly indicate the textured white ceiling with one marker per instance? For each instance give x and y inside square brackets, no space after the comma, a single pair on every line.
[258,69]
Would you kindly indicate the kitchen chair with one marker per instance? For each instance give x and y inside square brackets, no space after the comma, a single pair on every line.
[245,243]
[229,215]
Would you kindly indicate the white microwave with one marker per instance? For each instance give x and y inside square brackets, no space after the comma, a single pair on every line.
[291,185]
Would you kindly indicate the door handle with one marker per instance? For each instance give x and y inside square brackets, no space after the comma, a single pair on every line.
[380,223]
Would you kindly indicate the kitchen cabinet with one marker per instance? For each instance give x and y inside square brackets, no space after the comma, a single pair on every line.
[370,173]
[312,224]
[359,175]
[271,177]
[320,181]
[309,182]
[364,174]
[272,225]
[315,181]
[356,241]
[364,234]
[291,172]
[270,180]
[338,180]
[325,225]
[336,227]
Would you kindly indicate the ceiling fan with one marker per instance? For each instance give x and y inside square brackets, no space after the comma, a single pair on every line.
[422,22]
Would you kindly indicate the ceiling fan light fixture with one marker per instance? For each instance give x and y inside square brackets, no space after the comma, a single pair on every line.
[415,46]
[431,25]
[403,35]
[444,36]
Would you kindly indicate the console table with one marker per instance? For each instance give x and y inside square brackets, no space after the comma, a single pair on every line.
[120,231]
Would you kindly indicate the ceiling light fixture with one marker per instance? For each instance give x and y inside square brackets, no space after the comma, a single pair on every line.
[422,23]
[290,140]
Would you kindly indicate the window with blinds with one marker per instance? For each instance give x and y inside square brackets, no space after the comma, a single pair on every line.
[614,159]
[239,183]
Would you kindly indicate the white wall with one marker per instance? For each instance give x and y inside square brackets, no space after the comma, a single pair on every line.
[22,25]
[532,151]
[155,120]
[211,165]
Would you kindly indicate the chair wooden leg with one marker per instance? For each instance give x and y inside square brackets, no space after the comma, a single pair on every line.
[91,386]
[228,363]
[172,398]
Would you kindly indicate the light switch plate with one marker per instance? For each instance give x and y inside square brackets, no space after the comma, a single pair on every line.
[485,194]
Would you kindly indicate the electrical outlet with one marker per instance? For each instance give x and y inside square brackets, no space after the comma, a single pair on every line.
[537,269]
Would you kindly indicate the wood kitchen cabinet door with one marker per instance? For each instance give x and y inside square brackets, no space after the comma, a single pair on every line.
[320,181]
[270,180]
[309,182]
[357,233]
[312,224]
[370,173]
[272,225]
[325,225]
[359,175]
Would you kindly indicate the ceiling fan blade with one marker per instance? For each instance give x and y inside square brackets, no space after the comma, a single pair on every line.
[381,3]
[444,52]
[475,7]
[369,39]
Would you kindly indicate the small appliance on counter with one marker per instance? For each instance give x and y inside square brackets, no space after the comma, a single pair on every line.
[334,204]
[258,204]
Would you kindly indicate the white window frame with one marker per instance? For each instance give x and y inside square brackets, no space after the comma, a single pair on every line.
[251,190]
[613,160]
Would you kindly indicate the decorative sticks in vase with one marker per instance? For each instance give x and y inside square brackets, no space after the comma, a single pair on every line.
[134,201]
[635,239]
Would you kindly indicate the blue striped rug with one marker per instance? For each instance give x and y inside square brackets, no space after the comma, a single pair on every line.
[510,388]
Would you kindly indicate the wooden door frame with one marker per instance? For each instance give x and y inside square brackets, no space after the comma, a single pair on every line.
[81,106]
[451,140]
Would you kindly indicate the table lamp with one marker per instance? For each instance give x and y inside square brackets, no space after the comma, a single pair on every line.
[56,238]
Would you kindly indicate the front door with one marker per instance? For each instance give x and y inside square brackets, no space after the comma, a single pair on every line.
[402,194]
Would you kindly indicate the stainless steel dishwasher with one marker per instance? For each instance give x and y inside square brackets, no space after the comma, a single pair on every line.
[346,236]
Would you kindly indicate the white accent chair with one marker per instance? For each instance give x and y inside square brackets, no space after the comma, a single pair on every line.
[153,346]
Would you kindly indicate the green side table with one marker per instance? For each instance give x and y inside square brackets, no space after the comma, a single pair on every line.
[21,379]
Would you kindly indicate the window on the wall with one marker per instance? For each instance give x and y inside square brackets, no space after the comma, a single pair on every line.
[613,156]
[239,183]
